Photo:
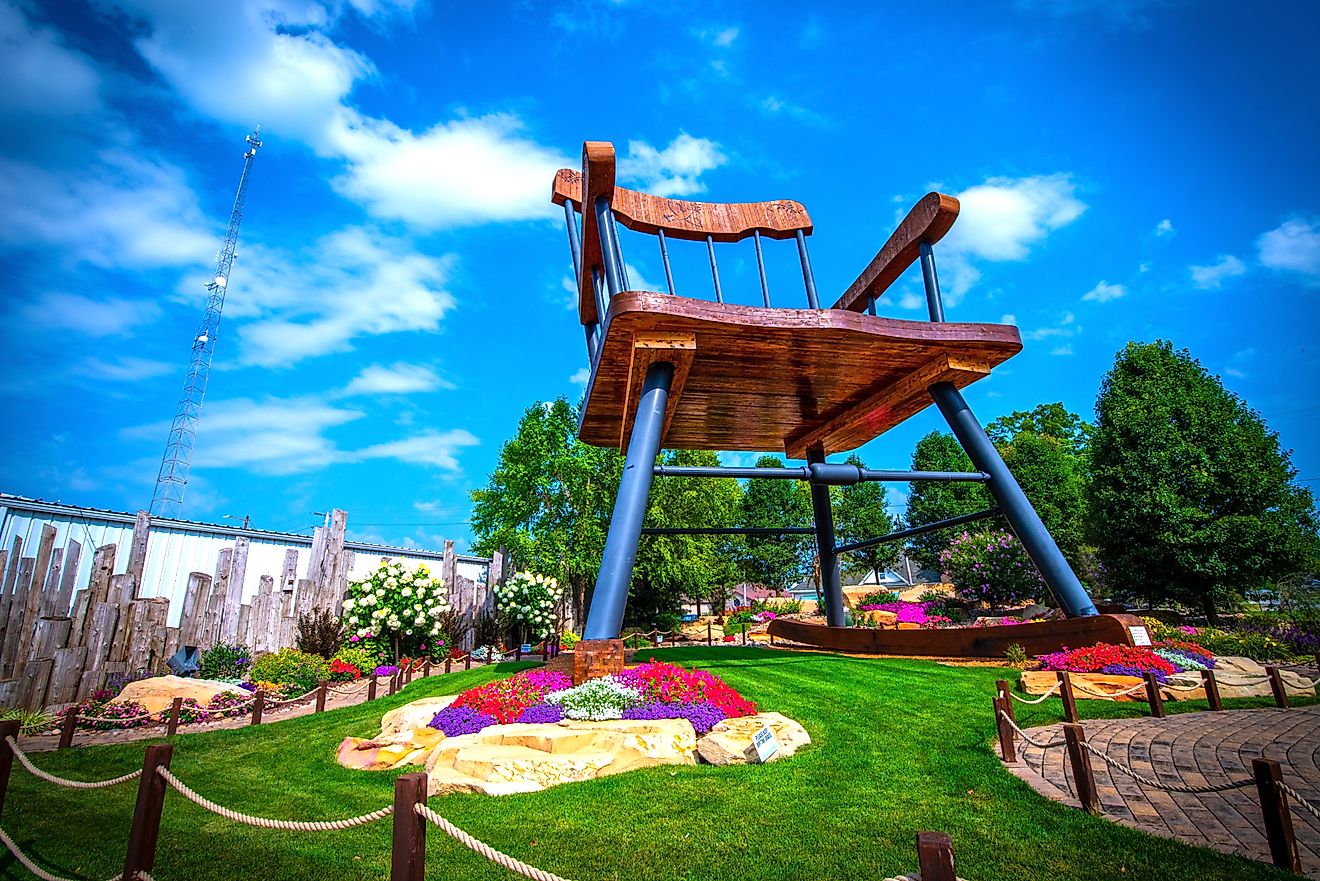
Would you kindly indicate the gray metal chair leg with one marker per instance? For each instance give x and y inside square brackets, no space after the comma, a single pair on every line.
[831,585]
[1026,523]
[605,618]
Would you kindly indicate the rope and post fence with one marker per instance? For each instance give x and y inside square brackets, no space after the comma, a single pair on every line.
[410,813]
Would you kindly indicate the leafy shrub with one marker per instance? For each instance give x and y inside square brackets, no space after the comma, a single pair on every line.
[567,640]
[319,633]
[342,671]
[1016,656]
[596,699]
[291,667]
[488,629]
[991,567]
[779,606]
[397,607]
[531,600]
[362,659]
[30,722]
[225,662]
[877,597]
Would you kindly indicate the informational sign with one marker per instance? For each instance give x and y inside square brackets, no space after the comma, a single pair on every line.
[527,648]
[765,744]
[659,638]
[1139,636]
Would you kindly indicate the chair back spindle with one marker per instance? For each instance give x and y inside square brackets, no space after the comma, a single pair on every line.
[664,258]
[934,302]
[714,269]
[760,266]
[813,302]
[605,226]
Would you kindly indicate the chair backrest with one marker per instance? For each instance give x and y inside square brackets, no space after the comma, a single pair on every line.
[598,261]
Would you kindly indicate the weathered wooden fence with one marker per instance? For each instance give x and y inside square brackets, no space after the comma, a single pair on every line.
[59,643]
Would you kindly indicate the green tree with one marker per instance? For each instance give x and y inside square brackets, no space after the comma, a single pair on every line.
[1192,497]
[860,513]
[1052,476]
[777,561]
[671,568]
[549,500]
[1048,420]
[931,501]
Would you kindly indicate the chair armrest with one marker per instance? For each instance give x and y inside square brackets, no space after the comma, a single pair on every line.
[928,221]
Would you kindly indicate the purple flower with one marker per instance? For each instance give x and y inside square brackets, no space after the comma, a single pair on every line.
[386,670]
[702,716]
[542,714]
[454,721]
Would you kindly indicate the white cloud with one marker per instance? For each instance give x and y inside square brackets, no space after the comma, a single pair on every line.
[1065,349]
[777,105]
[1238,363]
[1002,218]
[355,282]
[42,76]
[910,300]
[125,369]
[397,379]
[673,171]
[1164,228]
[1213,276]
[1065,328]
[580,376]
[1294,246]
[437,449]
[110,316]
[1008,318]
[719,37]
[121,210]
[1104,292]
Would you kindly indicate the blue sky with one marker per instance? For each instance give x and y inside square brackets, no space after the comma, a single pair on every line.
[1128,170]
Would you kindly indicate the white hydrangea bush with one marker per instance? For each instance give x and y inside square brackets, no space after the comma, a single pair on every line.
[397,605]
[532,600]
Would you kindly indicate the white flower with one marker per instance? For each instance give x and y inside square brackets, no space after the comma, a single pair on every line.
[407,591]
[423,582]
[420,619]
[408,632]
[348,605]
[391,582]
[406,578]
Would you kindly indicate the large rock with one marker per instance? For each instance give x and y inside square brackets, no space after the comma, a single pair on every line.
[730,741]
[417,714]
[1095,686]
[159,692]
[1241,677]
[879,617]
[390,751]
[504,759]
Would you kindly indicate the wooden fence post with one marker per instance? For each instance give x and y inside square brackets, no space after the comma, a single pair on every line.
[935,856]
[408,851]
[1276,686]
[1069,699]
[1211,689]
[426,668]
[545,650]
[449,664]
[1002,691]
[1007,746]
[1080,760]
[1278,819]
[371,687]
[1153,696]
[320,696]
[409,669]
[394,682]
[258,705]
[517,653]
[172,727]
[7,730]
[744,628]
[67,728]
[467,661]
[709,639]
[141,855]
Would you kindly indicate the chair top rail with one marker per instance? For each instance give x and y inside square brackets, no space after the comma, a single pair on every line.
[680,219]
[927,222]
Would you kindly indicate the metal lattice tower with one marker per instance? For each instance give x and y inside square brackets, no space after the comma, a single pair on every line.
[167,500]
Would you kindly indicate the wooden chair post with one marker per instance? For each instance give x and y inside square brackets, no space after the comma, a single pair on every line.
[1278,818]
[1080,760]
[258,705]
[1276,686]
[320,696]
[1069,699]
[142,837]
[408,851]
[7,730]
[176,707]
[1211,690]
[1153,696]
[67,728]
[1007,745]
[935,856]
[371,687]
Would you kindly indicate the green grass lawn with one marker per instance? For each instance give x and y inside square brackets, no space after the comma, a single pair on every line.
[898,746]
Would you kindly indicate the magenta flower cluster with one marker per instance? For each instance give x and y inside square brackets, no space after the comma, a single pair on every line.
[991,567]
[909,613]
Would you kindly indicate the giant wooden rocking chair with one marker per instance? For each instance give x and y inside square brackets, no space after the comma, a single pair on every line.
[672,371]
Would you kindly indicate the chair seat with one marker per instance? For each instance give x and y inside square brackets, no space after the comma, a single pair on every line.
[751,378]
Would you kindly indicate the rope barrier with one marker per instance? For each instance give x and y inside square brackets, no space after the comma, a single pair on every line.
[82,718]
[1303,802]
[1080,686]
[484,849]
[1041,699]
[267,823]
[272,702]
[1167,787]
[60,781]
[42,873]
[1028,738]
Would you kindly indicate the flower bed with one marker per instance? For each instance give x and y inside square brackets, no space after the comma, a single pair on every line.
[1164,659]
[909,613]
[654,690]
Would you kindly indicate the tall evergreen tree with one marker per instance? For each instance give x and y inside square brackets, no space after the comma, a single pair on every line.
[1192,497]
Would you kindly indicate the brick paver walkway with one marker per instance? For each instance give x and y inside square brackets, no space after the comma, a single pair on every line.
[1196,749]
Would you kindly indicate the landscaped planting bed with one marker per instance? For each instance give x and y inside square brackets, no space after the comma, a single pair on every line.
[897,746]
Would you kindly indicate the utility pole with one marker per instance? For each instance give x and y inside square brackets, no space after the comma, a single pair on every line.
[172,481]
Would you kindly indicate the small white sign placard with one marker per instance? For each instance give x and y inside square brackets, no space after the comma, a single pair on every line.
[659,638]
[765,743]
[1139,636]
[526,648]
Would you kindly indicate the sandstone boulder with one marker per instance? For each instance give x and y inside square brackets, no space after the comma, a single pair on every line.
[391,751]
[159,692]
[505,759]
[1096,686]
[417,714]
[1241,677]
[730,741]
[879,617]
